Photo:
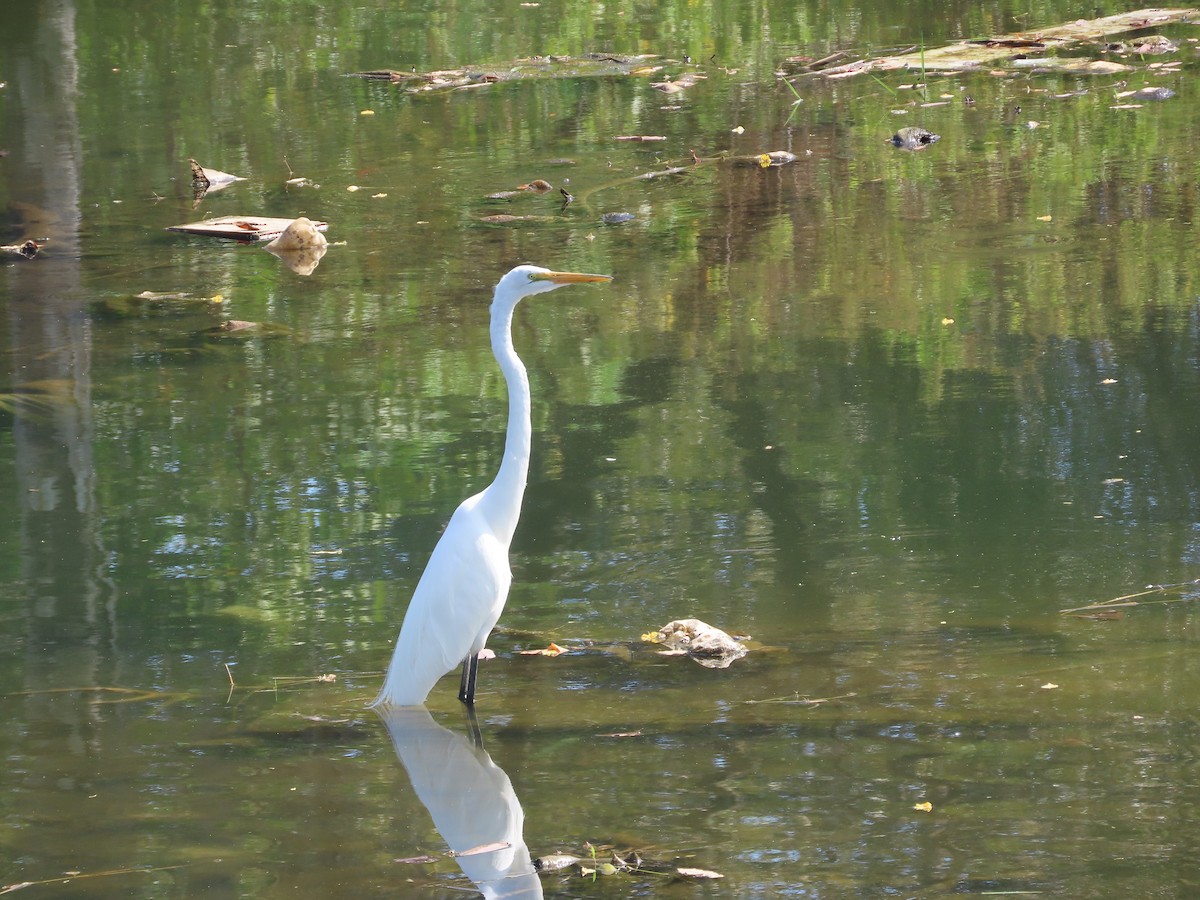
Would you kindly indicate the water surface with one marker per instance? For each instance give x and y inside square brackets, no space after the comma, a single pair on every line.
[888,413]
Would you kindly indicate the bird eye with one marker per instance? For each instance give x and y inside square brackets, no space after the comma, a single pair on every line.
[532,276]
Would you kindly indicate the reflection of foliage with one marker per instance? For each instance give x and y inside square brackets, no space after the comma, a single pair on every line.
[37,398]
[773,335]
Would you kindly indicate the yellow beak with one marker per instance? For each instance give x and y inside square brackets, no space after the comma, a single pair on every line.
[568,277]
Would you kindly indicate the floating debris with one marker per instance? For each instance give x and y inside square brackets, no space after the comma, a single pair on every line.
[1147,93]
[1150,45]
[507,219]
[537,186]
[154,303]
[551,650]
[709,646]
[241,228]
[975,54]
[239,330]
[914,138]
[206,181]
[556,862]
[682,83]
[659,173]
[616,218]
[1072,65]
[765,160]
[28,249]
[301,246]
[537,67]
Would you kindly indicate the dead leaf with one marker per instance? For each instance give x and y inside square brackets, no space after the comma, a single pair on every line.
[705,874]
[552,650]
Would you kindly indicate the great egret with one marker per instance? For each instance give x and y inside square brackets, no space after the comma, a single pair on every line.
[464,586]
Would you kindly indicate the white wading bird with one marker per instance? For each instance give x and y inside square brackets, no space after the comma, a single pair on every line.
[463,589]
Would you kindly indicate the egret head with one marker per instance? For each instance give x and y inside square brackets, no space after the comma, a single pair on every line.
[524,281]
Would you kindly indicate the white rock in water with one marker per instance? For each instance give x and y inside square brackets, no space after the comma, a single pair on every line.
[302,234]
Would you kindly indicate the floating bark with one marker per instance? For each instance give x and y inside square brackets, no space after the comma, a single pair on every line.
[241,228]
[966,55]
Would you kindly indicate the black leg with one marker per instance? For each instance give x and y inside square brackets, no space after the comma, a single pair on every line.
[466,687]
[473,727]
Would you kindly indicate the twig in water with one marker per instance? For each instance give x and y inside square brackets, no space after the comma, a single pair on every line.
[1131,599]
[63,879]
[803,701]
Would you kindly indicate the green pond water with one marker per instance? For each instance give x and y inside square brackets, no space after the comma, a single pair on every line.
[887,413]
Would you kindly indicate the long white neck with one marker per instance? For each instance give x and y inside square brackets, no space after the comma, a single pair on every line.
[501,501]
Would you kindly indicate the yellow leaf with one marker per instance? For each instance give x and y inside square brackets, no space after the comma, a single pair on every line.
[651,637]
[764,160]
[923,807]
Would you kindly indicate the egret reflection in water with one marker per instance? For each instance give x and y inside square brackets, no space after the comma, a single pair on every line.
[470,799]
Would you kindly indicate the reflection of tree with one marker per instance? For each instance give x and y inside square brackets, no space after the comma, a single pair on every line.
[69,616]
[49,341]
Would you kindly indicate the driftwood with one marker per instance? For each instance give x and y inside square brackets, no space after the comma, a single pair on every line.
[242,228]
[967,55]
